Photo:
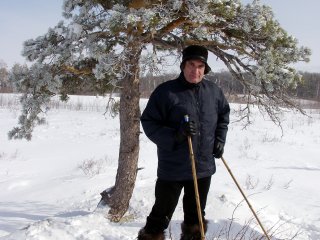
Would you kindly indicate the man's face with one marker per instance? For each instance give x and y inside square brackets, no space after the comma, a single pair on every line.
[194,70]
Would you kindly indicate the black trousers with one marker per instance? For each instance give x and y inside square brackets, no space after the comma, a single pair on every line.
[167,195]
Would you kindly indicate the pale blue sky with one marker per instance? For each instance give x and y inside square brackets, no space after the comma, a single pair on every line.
[21,20]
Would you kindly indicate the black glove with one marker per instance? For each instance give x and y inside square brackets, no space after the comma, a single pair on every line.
[186,129]
[218,149]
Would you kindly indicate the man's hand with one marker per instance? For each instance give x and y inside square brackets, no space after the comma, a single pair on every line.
[186,129]
[189,128]
[218,149]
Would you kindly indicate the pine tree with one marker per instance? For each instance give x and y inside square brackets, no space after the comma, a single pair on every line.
[102,43]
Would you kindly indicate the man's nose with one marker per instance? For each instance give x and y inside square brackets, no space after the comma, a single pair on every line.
[194,69]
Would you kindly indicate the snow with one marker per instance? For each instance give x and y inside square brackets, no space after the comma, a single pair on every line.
[50,185]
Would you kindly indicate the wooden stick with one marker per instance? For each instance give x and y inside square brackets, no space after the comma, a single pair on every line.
[195,181]
[245,198]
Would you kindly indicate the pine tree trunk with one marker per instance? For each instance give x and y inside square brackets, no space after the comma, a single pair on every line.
[120,195]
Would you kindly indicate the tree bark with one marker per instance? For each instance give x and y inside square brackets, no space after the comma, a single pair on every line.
[119,196]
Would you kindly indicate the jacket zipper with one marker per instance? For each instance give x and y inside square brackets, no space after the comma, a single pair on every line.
[197,106]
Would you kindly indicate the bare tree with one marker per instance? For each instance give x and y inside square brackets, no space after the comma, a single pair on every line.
[103,42]
[4,77]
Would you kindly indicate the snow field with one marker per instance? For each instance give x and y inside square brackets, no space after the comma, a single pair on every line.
[50,185]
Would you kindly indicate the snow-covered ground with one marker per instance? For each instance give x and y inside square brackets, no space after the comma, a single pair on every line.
[50,186]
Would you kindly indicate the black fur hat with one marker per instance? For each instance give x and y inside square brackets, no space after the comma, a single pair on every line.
[195,52]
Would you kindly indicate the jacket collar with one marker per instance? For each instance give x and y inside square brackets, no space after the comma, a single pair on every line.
[187,84]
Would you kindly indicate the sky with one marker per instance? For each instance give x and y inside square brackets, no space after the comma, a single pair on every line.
[21,20]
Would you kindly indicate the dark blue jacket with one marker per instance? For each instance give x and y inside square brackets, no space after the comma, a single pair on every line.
[205,104]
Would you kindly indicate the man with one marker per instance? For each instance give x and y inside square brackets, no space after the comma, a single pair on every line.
[163,122]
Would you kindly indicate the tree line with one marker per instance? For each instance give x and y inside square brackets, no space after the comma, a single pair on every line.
[308,88]
[5,85]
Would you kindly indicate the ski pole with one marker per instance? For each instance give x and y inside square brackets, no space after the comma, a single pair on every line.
[245,198]
[195,182]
